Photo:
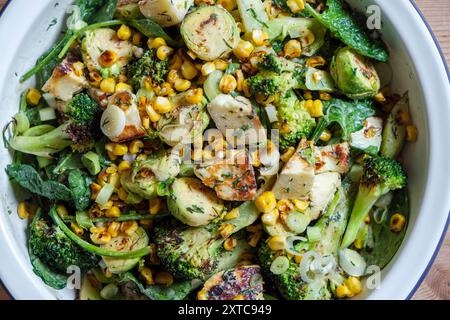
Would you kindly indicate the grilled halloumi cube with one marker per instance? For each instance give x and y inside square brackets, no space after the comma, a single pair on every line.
[332,158]
[236,117]
[368,139]
[121,120]
[233,178]
[322,192]
[297,176]
[67,80]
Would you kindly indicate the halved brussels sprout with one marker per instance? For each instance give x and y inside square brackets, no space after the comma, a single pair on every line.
[203,29]
[354,74]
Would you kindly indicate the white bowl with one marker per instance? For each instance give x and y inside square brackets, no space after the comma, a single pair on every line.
[418,67]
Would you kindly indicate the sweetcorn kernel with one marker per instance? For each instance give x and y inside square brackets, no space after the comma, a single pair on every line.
[108,85]
[266,202]
[156,43]
[277,243]
[124,32]
[33,97]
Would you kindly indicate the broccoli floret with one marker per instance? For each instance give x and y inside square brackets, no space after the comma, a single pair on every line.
[380,176]
[147,66]
[269,83]
[294,121]
[56,250]
[82,110]
[271,63]
[197,252]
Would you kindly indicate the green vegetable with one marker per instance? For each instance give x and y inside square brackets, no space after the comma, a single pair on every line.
[90,288]
[253,15]
[280,265]
[380,176]
[350,116]
[211,85]
[91,161]
[125,243]
[354,74]
[82,109]
[89,8]
[151,29]
[394,132]
[147,66]
[106,12]
[197,253]
[349,30]
[297,222]
[128,11]
[67,161]
[193,203]
[210,32]
[22,122]
[79,185]
[92,248]
[28,178]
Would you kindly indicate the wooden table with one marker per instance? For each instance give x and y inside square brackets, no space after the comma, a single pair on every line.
[437,282]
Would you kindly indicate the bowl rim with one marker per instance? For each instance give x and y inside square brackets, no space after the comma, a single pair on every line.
[10,288]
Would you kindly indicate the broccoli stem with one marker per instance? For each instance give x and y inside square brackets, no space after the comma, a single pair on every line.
[94,249]
[365,200]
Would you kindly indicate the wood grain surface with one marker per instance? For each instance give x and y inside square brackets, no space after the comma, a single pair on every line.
[437,283]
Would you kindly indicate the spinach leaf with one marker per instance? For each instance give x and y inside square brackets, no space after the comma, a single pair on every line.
[151,29]
[176,291]
[79,185]
[350,116]
[385,242]
[349,30]
[49,277]
[106,12]
[67,161]
[90,8]
[27,177]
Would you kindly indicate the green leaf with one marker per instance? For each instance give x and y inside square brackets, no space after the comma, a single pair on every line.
[27,177]
[349,29]
[79,184]
[350,116]
[106,12]
[151,29]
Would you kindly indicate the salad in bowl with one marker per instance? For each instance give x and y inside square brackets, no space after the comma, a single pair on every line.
[212,150]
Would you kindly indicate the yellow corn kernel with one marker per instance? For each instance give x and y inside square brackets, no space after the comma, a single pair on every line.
[220,64]
[354,285]
[285,206]
[300,205]
[106,206]
[164,52]
[23,210]
[108,58]
[240,80]
[296,5]
[343,291]
[76,229]
[95,78]
[121,86]
[253,242]
[62,211]
[266,202]
[271,218]
[155,205]
[259,37]
[123,195]
[120,149]
[95,189]
[239,297]
[358,243]
[175,63]
[166,90]
[146,275]
[208,68]
[226,230]
[307,95]
[129,227]
[315,108]
[397,222]
[137,38]
[188,70]
[227,84]
[113,212]
[111,169]
[112,156]
[316,62]
[114,229]
[108,85]
[162,105]
[124,32]
[233,214]
[164,278]
[230,244]
[33,97]
[325,136]
[379,97]
[293,49]
[229,5]
[156,43]
[243,50]
[145,122]
[411,133]
[287,154]
[307,40]
[100,236]
[194,96]
[325,96]
[202,295]
[276,243]
[182,85]
[141,157]
[136,146]
[298,259]
[124,166]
